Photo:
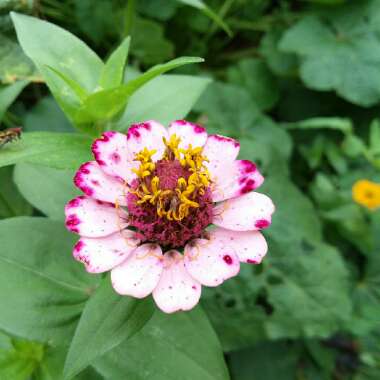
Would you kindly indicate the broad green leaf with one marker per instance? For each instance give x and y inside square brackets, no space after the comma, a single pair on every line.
[108,319]
[42,288]
[11,201]
[113,70]
[48,196]
[254,75]
[9,93]
[105,104]
[374,137]
[60,50]
[57,150]
[178,94]
[170,347]
[208,12]
[340,51]
[46,116]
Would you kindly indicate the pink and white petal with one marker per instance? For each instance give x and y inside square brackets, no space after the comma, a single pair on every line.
[111,153]
[220,150]
[102,254]
[211,261]
[234,179]
[92,218]
[249,212]
[139,274]
[190,133]
[176,290]
[92,180]
[249,246]
[146,135]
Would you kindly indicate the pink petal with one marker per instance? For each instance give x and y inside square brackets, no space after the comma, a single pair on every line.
[91,218]
[220,150]
[249,246]
[176,290]
[234,179]
[102,254]
[111,153]
[210,261]
[91,179]
[190,134]
[139,274]
[249,212]
[146,135]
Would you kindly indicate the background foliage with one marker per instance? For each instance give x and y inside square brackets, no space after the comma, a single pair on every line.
[297,82]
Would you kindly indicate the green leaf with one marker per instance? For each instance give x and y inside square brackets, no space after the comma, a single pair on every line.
[254,75]
[113,70]
[108,319]
[57,150]
[9,93]
[49,196]
[177,346]
[311,293]
[60,50]
[340,50]
[178,94]
[42,289]
[374,137]
[11,201]
[208,12]
[105,104]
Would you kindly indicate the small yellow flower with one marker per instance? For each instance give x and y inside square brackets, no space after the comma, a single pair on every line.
[366,193]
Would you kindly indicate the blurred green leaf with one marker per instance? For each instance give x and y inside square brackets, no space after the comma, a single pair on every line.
[18,358]
[57,150]
[9,93]
[14,64]
[178,346]
[254,75]
[11,201]
[107,320]
[149,43]
[50,196]
[340,124]
[48,289]
[340,50]
[312,294]
[209,13]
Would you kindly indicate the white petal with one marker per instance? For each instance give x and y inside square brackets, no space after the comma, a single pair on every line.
[176,290]
[102,254]
[249,246]
[91,179]
[139,274]
[249,212]
[91,218]
[210,262]
[190,134]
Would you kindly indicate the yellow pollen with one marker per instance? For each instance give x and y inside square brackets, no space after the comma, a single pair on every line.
[366,193]
[173,204]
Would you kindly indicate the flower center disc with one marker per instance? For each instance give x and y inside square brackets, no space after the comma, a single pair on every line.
[170,201]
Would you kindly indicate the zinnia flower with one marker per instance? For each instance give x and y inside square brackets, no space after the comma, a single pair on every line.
[167,211]
[367,194]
